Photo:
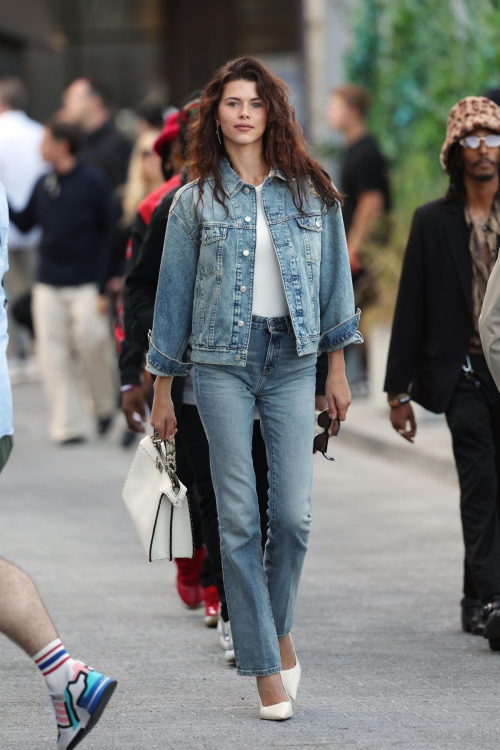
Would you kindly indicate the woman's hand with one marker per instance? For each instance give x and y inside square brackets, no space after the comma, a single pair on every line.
[338,393]
[162,414]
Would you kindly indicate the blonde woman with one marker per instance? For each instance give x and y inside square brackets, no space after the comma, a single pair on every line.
[144,174]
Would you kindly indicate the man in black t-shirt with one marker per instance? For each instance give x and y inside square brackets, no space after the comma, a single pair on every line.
[364,183]
[363,177]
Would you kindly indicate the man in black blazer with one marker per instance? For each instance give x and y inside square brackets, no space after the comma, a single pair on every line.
[435,356]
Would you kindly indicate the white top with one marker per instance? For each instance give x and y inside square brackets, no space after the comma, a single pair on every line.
[269,299]
[21,165]
[5,391]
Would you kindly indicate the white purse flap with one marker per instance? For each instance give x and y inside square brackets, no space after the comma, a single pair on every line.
[158,506]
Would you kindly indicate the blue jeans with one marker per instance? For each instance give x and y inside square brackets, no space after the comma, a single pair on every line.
[261,591]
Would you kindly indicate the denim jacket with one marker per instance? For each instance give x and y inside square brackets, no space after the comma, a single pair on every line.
[206,277]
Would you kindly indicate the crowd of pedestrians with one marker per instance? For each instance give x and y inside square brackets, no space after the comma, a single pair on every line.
[197,274]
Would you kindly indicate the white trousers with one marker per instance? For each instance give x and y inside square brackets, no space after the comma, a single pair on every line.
[76,357]
[18,281]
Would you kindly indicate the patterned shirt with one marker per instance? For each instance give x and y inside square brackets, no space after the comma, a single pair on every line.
[483,247]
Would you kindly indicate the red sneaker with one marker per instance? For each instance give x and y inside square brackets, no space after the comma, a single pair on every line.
[211,606]
[188,578]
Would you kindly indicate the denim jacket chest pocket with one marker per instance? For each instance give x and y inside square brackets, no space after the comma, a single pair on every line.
[311,228]
[212,239]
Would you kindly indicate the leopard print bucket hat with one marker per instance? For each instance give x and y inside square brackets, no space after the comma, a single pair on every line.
[468,114]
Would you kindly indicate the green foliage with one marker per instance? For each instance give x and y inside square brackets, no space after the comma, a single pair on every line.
[418,58]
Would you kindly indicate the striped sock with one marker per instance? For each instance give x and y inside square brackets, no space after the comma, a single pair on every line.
[55,663]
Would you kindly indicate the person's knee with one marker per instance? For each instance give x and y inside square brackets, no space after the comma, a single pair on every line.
[292,527]
[237,533]
[11,575]
[93,341]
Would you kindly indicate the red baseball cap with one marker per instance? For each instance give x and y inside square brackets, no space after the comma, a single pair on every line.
[169,132]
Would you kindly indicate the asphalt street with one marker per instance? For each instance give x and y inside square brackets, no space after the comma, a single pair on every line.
[385,664]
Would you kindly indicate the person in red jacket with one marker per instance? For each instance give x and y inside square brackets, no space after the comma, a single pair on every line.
[194,579]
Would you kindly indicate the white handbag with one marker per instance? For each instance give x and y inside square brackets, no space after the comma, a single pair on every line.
[158,502]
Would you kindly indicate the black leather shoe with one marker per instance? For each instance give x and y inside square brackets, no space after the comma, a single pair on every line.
[491,617]
[104,425]
[73,441]
[472,616]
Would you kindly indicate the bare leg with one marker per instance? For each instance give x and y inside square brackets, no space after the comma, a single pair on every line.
[287,653]
[23,617]
[271,690]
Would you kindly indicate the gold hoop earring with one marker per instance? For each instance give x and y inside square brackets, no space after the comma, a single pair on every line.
[218,134]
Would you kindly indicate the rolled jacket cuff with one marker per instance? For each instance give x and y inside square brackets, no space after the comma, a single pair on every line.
[341,335]
[159,364]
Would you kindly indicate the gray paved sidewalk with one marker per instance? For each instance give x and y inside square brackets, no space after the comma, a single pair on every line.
[377,629]
[368,427]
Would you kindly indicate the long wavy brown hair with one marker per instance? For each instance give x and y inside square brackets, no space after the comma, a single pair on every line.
[284,145]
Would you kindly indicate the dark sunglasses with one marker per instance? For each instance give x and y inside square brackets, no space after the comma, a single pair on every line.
[321,440]
[492,140]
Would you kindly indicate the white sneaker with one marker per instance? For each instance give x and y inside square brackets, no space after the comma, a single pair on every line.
[226,639]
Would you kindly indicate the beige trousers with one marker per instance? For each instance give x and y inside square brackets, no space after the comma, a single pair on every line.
[76,358]
[18,281]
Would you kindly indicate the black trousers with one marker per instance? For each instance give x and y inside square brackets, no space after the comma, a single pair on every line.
[474,421]
[193,466]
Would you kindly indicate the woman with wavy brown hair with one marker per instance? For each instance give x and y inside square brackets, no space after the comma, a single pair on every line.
[255,274]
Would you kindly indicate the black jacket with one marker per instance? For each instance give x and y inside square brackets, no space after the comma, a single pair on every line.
[433,322]
[140,289]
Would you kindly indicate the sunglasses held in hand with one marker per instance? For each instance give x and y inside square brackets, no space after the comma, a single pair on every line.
[321,440]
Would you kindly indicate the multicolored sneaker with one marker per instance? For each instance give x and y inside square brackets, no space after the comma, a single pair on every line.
[79,707]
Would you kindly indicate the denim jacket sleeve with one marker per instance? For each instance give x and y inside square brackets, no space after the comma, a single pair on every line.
[176,284]
[339,320]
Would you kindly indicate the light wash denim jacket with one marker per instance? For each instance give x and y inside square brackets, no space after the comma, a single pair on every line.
[6,427]
[205,286]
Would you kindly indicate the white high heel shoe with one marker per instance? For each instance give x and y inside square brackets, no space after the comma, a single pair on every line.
[291,677]
[277,712]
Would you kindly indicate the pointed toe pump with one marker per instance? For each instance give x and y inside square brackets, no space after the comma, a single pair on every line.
[291,678]
[277,712]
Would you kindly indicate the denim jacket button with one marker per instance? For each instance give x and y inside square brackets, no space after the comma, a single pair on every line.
[246,191]
[243,288]
[237,358]
[246,252]
[318,223]
[241,323]
[247,218]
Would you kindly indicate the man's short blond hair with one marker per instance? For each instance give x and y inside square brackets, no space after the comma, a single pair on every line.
[355,96]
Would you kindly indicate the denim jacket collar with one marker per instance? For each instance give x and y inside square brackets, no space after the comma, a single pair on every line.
[230,180]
